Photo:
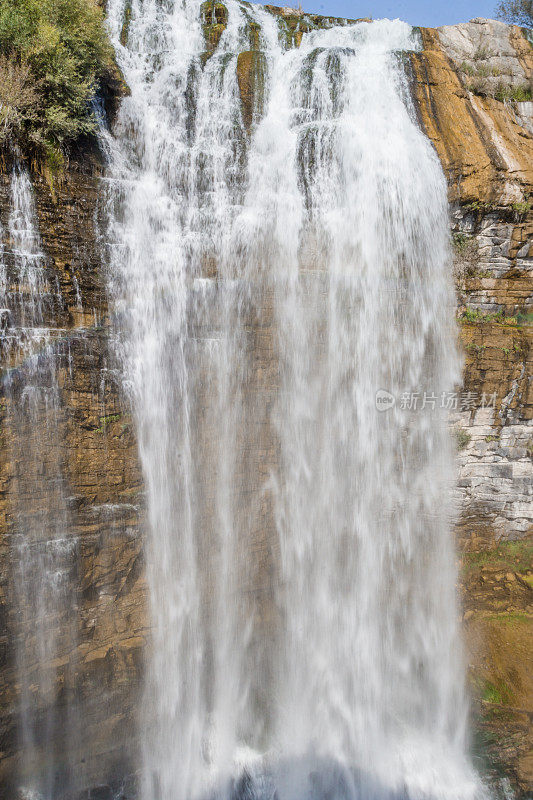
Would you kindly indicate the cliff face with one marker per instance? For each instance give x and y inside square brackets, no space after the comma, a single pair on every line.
[466,78]
[96,460]
[471,85]
[485,144]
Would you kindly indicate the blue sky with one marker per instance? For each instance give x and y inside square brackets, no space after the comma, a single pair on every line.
[417,12]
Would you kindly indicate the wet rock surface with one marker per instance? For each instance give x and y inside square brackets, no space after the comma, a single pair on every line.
[104,497]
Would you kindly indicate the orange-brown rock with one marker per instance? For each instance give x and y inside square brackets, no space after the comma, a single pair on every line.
[486,154]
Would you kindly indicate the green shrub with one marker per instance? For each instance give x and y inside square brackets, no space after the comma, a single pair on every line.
[524,318]
[468,69]
[520,94]
[510,556]
[462,438]
[475,315]
[498,692]
[461,241]
[522,208]
[518,11]
[53,56]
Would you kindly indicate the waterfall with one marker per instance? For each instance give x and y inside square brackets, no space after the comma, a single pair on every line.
[270,278]
[43,553]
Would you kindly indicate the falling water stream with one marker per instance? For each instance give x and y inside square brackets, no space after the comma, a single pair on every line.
[42,548]
[267,283]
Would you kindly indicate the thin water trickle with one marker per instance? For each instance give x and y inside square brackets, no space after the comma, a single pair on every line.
[267,285]
[43,551]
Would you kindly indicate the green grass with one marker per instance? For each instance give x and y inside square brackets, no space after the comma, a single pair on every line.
[105,421]
[522,208]
[523,318]
[54,54]
[510,618]
[468,69]
[520,94]
[478,349]
[518,209]
[478,205]
[509,556]
[461,241]
[462,438]
[497,692]
[474,315]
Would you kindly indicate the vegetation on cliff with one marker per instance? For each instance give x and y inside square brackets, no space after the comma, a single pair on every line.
[519,12]
[54,55]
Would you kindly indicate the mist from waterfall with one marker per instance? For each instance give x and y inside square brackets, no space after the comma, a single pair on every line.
[267,283]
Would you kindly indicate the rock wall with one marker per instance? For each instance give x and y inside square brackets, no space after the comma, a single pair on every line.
[470,86]
[104,488]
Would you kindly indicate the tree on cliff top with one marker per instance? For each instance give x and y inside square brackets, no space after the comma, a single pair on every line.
[53,54]
[519,12]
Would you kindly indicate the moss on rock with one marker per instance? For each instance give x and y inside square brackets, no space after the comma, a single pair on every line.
[251,70]
[126,23]
[214,17]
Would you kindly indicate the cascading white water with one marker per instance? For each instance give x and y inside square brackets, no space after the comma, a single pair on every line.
[371,674]
[43,553]
[266,286]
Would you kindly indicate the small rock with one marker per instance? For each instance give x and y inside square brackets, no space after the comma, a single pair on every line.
[101,793]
